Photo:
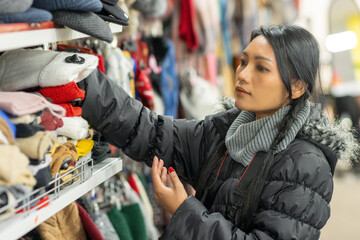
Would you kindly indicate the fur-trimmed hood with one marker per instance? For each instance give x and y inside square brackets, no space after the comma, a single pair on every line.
[333,138]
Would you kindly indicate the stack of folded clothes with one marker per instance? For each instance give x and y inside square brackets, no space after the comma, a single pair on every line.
[52,77]
[24,144]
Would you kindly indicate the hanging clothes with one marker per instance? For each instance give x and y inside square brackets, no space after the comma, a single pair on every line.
[187,25]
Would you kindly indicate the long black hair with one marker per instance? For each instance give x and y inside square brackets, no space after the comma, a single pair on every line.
[297,54]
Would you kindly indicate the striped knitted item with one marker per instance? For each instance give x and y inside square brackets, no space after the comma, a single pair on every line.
[247,136]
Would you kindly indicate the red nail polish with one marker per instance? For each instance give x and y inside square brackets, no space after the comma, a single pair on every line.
[171,169]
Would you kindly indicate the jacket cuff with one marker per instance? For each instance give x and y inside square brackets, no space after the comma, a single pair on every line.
[191,206]
[191,203]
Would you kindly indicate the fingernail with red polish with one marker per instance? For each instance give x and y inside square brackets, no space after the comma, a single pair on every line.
[171,169]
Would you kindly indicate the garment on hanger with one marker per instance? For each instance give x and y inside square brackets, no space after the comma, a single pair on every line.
[90,227]
[66,224]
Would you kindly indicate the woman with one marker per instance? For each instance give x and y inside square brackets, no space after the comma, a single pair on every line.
[262,170]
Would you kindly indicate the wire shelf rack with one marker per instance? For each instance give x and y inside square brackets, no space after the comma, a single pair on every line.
[22,215]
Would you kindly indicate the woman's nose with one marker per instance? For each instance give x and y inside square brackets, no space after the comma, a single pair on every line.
[243,74]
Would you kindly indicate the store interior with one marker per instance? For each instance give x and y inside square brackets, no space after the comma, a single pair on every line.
[178,57]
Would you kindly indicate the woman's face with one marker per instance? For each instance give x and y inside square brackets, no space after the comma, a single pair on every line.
[259,87]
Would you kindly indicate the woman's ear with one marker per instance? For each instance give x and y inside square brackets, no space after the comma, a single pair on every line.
[298,88]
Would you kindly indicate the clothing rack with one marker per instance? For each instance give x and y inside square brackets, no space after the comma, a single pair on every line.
[88,176]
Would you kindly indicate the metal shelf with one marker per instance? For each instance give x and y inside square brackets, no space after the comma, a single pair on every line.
[14,40]
[19,224]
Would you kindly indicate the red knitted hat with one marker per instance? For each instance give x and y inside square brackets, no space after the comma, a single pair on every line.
[63,93]
[51,122]
[71,111]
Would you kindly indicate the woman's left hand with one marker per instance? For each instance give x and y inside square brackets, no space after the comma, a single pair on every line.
[170,198]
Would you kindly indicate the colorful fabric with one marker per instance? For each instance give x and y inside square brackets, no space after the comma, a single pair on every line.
[187,24]
[62,94]
[22,103]
[66,224]
[91,229]
[120,223]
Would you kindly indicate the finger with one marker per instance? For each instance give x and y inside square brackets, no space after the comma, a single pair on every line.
[154,168]
[160,166]
[174,178]
[155,162]
[163,175]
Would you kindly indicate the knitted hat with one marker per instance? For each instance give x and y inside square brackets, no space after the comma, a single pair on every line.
[21,103]
[74,127]
[85,22]
[65,151]
[51,122]
[71,111]
[66,224]
[64,93]
[31,15]
[84,146]
[36,146]
[21,69]
[73,5]
[14,6]
[112,12]
[12,163]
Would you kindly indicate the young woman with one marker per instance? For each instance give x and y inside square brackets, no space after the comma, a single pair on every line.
[262,170]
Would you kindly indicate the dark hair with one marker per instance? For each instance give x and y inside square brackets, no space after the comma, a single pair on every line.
[297,54]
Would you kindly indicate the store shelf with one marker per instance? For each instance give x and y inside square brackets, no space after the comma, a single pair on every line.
[14,40]
[20,224]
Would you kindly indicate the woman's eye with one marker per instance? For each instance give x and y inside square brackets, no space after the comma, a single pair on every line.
[242,62]
[261,68]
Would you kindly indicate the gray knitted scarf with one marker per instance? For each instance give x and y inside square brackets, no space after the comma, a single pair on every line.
[247,136]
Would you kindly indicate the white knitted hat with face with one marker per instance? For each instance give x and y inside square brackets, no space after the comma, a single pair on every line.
[21,69]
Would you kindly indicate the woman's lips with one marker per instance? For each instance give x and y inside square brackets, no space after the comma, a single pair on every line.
[240,91]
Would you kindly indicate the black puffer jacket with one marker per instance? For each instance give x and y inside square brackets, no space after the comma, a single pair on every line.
[295,200]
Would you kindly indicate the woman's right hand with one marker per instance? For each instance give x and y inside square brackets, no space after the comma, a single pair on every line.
[170,198]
